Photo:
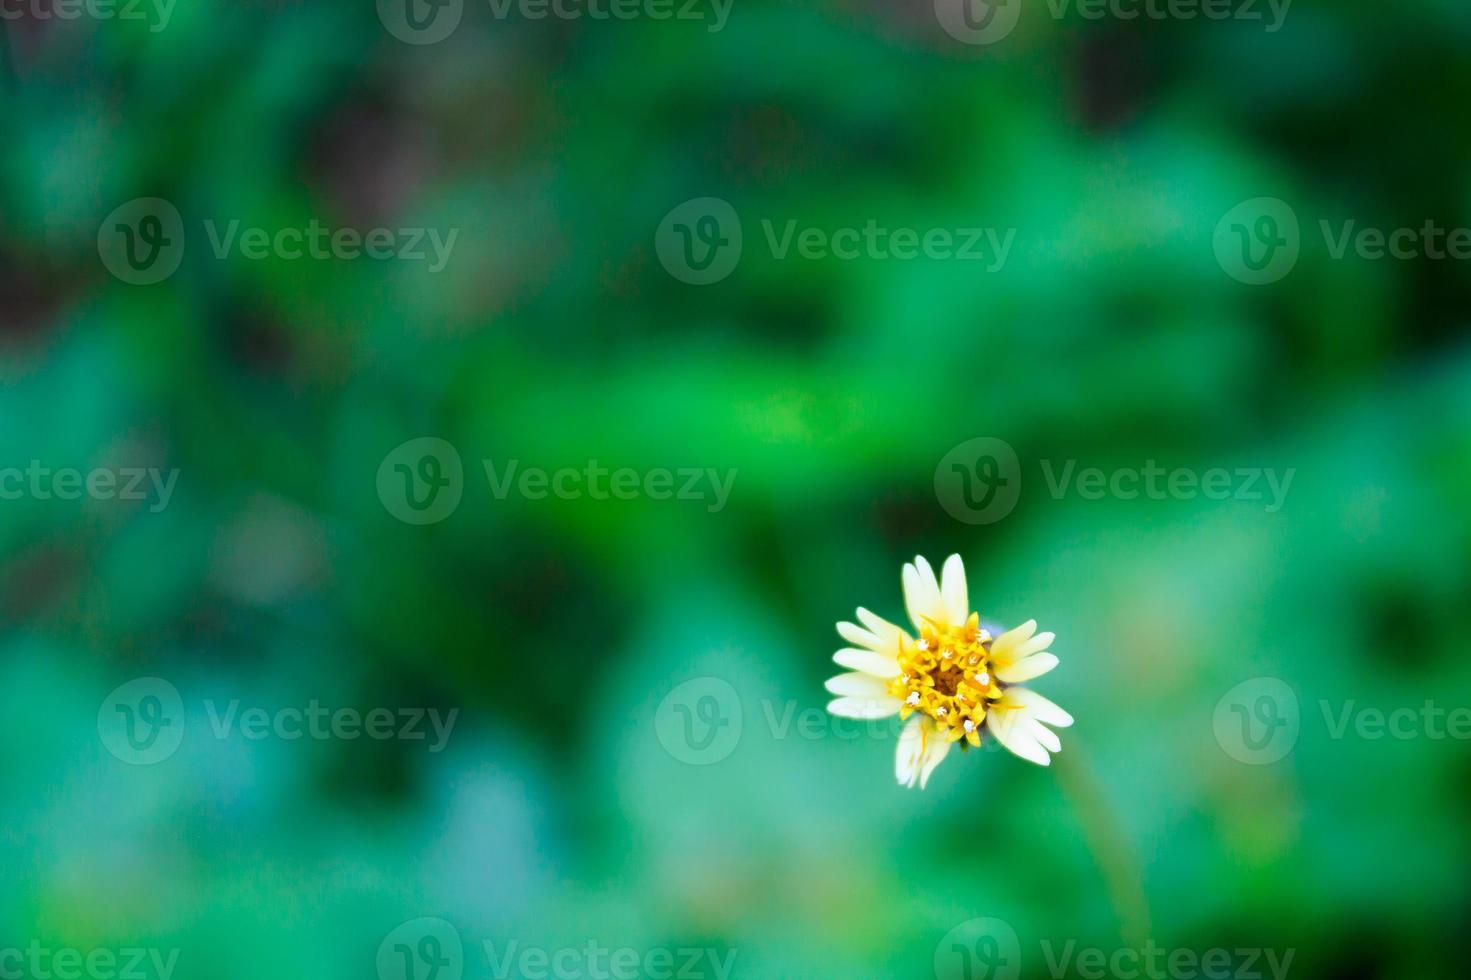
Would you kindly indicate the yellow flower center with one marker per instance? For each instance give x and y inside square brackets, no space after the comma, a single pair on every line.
[946,674]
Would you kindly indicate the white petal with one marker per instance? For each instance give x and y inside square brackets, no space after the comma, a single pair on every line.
[1046,736]
[953,591]
[1038,707]
[1003,650]
[858,636]
[937,747]
[1009,727]
[877,625]
[927,574]
[922,595]
[867,661]
[858,685]
[1036,644]
[908,753]
[864,708]
[886,635]
[909,578]
[1024,670]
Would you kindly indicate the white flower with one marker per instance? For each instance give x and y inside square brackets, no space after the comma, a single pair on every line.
[953,678]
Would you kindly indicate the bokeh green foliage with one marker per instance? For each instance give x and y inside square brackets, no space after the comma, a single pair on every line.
[555,337]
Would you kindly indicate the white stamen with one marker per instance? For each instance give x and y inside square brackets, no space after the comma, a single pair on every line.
[923,644]
[913,698]
[970,726]
[942,712]
[983,678]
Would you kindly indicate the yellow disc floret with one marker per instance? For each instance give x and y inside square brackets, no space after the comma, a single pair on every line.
[946,675]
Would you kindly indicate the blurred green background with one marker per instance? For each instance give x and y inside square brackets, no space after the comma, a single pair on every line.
[557,813]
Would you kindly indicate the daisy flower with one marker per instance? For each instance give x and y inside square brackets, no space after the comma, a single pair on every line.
[952,681]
